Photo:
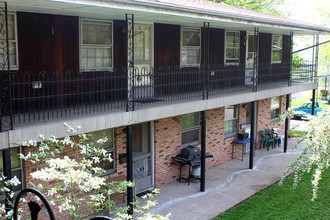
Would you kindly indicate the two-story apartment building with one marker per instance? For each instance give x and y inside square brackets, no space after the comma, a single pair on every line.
[145,73]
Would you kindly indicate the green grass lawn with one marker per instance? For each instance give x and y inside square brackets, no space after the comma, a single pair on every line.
[282,202]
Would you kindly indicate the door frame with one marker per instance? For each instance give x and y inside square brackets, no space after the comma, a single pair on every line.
[152,157]
[140,91]
[248,69]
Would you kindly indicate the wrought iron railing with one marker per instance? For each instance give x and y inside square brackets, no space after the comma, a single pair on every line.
[45,96]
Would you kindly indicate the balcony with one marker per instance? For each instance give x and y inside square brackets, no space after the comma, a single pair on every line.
[39,97]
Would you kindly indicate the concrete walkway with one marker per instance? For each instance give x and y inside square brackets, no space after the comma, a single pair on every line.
[226,185]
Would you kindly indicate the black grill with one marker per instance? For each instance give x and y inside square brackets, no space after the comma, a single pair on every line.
[190,155]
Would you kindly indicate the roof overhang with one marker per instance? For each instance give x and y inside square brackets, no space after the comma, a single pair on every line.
[168,12]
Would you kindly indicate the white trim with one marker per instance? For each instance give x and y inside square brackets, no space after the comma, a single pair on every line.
[239,48]
[193,47]
[82,45]
[15,41]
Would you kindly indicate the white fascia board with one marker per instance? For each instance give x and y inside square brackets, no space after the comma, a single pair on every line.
[155,7]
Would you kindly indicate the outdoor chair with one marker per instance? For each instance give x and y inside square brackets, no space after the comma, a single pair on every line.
[276,138]
[270,137]
[264,140]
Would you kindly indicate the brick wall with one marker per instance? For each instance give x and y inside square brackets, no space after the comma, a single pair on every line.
[118,175]
[167,144]
[264,115]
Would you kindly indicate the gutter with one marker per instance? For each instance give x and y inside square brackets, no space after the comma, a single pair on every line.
[226,15]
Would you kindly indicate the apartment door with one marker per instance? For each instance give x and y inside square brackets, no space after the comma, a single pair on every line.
[250,54]
[142,157]
[143,85]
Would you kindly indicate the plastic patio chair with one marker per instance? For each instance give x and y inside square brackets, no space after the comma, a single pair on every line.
[264,140]
[270,138]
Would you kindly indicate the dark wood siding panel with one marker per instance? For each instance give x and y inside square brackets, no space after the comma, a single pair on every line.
[286,49]
[167,45]
[265,41]
[120,45]
[70,39]
[48,43]
[36,42]
[242,49]
[217,46]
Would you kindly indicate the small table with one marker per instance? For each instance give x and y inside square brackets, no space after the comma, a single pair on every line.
[242,142]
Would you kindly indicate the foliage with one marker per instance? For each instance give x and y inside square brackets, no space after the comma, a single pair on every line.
[297,61]
[77,185]
[266,6]
[315,157]
[8,194]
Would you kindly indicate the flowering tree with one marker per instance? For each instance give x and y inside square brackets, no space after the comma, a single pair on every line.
[315,157]
[77,185]
[8,194]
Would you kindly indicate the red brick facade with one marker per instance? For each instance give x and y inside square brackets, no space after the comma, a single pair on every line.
[167,139]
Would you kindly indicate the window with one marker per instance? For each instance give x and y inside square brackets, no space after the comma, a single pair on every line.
[12,37]
[232,47]
[190,129]
[275,107]
[108,146]
[230,120]
[190,46]
[16,168]
[96,48]
[276,49]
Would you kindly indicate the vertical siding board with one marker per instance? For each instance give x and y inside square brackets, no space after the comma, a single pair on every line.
[286,48]
[217,46]
[265,41]
[242,48]
[70,39]
[167,45]
[119,45]
[35,42]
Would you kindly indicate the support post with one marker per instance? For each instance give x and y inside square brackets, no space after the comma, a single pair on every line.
[206,59]
[130,62]
[129,154]
[252,134]
[313,102]
[286,128]
[203,150]
[290,61]
[6,163]
[255,59]
[6,123]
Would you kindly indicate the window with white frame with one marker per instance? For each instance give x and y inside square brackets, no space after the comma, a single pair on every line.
[108,146]
[231,119]
[275,107]
[96,44]
[16,167]
[232,47]
[190,129]
[190,46]
[12,39]
[276,48]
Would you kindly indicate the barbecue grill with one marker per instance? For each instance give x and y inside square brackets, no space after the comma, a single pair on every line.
[190,155]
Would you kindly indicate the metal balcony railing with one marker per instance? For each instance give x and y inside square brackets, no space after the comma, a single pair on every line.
[43,96]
